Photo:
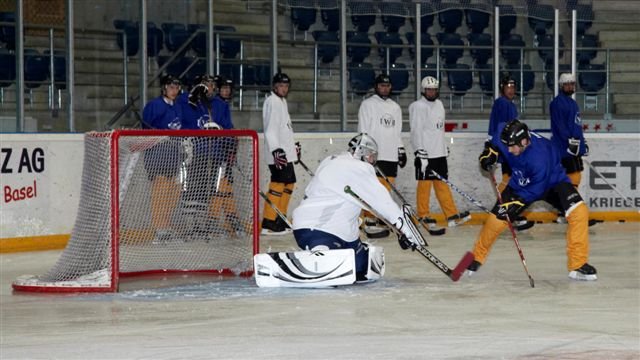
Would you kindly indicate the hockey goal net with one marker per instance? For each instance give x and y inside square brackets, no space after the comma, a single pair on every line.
[155,201]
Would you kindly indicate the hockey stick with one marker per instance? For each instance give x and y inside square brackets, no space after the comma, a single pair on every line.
[414,217]
[513,231]
[454,274]
[606,182]
[304,166]
[274,207]
[464,194]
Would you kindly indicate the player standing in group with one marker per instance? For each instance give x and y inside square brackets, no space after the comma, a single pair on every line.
[537,175]
[327,217]
[225,88]
[503,111]
[163,161]
[281,150]
[426,117]
[566,130]
[381,118]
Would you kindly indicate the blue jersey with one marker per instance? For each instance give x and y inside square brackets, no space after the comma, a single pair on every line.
[536,170]
[565,124]
[502,111]
[158,114]
[195,118]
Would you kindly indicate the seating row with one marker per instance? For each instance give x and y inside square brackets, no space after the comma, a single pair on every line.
[36,69]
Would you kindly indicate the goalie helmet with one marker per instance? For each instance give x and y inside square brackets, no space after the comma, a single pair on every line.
[364,147]
[514,132]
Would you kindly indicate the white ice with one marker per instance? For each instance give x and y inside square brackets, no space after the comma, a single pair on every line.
[414,312]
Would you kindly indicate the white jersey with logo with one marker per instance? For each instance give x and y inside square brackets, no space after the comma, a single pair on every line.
[427,127]
[382,120]
[278,132]
[328,208]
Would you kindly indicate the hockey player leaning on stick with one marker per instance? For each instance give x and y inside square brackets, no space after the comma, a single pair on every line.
[426,116]
[537,174]
[327,217]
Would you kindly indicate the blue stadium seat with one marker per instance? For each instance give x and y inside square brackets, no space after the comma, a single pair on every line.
[585,18]
[7,68]
[361,77]
[36,69]
[362,15]
[59,68]
[303,14]
[399,76]
[485,78]
[480,47]
[426,52]
[540,18]
[450,55]
[450,18]
[229,48]
[232,71]
[155,40]
[330,19]
[426,20]
[477,20]
[528,77]
[131,30]
[358,46]
[545,48]
[459,78]
[549,79]
[175,35]
[8,32]
[592,78]
[327,52]
[508,19]
[386,38]
[429,70]
[393,15]
[585,51]
[510,48]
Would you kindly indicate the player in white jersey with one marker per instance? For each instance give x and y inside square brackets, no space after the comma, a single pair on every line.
[281,151]
[426,117]
[381,118]
[327,217]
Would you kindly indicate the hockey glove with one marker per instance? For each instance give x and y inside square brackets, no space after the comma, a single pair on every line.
[198,95]
[402,157]
[511,208]
[298,150]
[279,159]
[421,162]
[574,146]
[405,244]
[210,125]
[489,157]
[406,238]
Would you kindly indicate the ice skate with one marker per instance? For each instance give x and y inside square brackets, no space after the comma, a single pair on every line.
[458,219]
[586,273]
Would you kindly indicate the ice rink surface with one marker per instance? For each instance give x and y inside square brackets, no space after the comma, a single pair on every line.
[414,312]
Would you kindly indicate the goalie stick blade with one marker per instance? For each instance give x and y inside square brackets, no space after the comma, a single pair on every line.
[466,260]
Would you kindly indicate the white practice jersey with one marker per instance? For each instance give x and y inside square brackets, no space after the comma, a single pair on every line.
[382,120]
[278,132]
[427,127]
[328,208]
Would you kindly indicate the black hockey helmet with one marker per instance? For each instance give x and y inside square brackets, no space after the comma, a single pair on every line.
[280,78]
[514,132]
[506,80]
[203,79]
[222,80]
[382,79]
[169,80]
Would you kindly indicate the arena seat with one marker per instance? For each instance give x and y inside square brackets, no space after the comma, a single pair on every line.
[8,32]
[36,69]
[362,15]
[585,51]
[361,77]
[426,20]
[131,30]
[485,78]
[511,48]
[399,76]
[480,47]
[393,15]
[358,46]
[585,18]
[477,20]
[303,14]
[545,48]
[327,52]
[448,40]
[59,68]
[508,19]
[528,77]
[7,67]
[459,78]
[540,18]
[330,18]
[175,35]
[427,49]
[450,17]
[386,38]
[592,78]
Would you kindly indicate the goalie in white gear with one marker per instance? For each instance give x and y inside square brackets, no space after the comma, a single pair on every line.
[327,217]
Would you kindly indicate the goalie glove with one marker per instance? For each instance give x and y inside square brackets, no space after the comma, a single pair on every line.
[489,157]
[574,146]
[402,157]
[421,162]
[406,237]
[198,95]
[279,159]
[510,208]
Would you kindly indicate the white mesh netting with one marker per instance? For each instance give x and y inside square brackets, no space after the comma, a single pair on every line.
[186,204]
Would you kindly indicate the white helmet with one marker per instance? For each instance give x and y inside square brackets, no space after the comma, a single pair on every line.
[430,82]
[566,78]
[364,148]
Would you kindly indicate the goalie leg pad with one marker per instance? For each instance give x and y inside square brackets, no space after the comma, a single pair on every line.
[305,269]
[375,264]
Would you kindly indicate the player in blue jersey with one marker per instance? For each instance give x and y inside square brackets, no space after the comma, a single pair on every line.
[163,161]
[537,174]
[503,111]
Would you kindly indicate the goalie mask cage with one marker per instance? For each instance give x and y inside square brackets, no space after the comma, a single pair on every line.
[158,201]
